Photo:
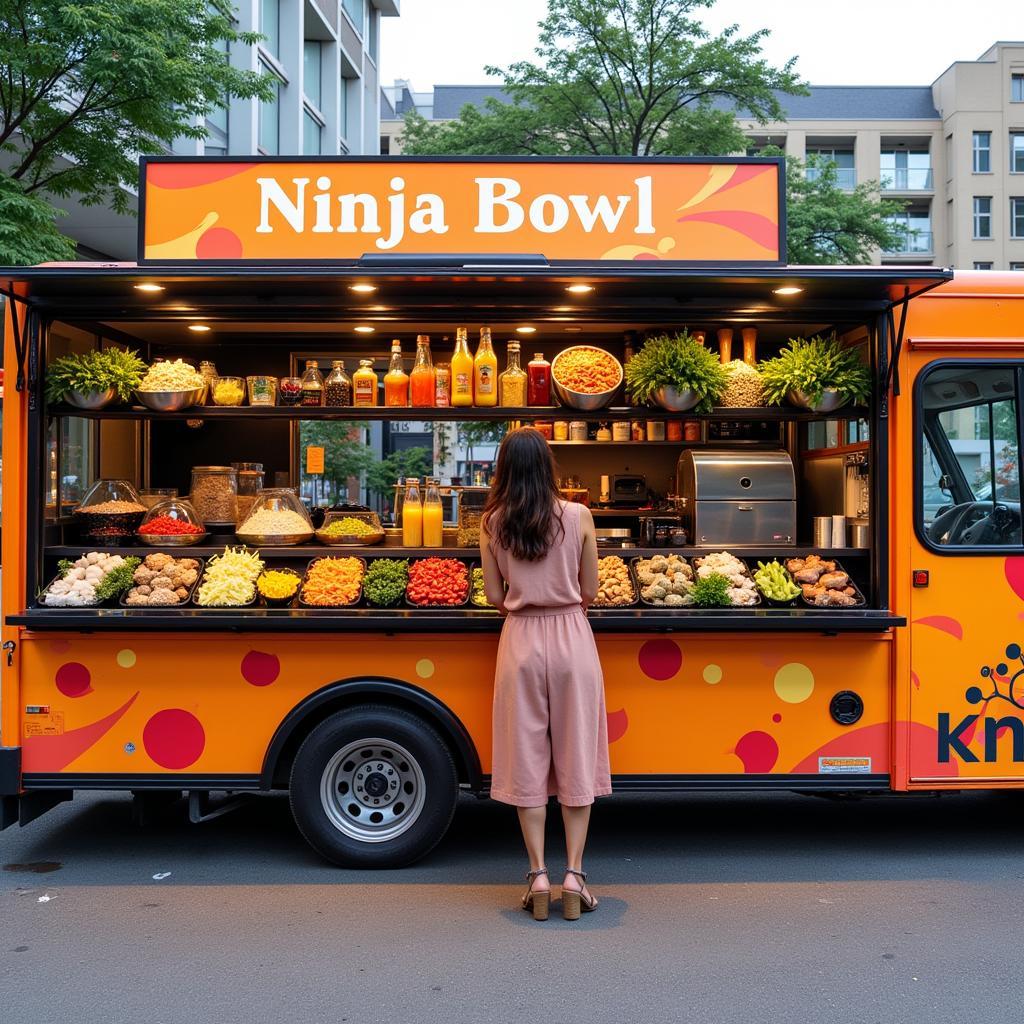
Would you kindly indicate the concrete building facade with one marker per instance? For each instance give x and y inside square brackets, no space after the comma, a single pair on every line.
[953,151]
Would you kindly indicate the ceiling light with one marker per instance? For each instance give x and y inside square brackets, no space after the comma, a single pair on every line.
[526,330]
[146,287]
[580,289]
[788,289]
[362,288]
[573,330]
[363,329]
[198,328]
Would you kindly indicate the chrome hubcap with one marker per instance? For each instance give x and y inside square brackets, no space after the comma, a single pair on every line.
[373,790]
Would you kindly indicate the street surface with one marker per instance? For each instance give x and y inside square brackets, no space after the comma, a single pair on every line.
[715,909]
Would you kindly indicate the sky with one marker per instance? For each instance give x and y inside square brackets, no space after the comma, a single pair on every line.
[837,42]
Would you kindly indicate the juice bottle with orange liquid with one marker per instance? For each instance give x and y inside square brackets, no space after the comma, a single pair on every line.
[485,371]
[421,380]
[412,514]
[396,380]
[433,517]
[462,370]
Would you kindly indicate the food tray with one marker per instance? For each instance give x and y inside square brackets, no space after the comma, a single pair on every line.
[217,607]
[461,604]
[279,602]
[633,583]
[398,600]
[66,607]
[771,601]
[176,540]
[746,572]
[329,607]
[634,564]
[273,540]
[472,564]
[860,601]
[352,540]
[122,598]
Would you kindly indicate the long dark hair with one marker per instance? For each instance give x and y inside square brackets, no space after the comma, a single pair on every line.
[523,503]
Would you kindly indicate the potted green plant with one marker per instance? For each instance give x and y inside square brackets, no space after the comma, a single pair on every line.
[816,373]
[94,379]
[677,372]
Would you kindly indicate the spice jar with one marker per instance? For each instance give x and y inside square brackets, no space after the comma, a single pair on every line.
[512,382]
[291,390]
[674,430]
[545,429]
[561,430]
[338,386]
[620,430]
[604,432]
[250,483]
[699,336]
[214,494]
[364,384]
[312,393]
[655,430]
[538,380]
[443,385]
[577,430]
[636,430]
[208,371]
[262,389]
[691,430]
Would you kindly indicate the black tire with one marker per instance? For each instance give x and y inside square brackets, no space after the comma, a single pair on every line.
[409,772]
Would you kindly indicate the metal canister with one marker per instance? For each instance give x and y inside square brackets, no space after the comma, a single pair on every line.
[620,430]
[578,430]
[655,430]
[823,531]
[561,430]
[674,430]
[691,430]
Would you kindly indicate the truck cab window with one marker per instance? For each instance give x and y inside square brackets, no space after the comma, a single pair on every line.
[969,469]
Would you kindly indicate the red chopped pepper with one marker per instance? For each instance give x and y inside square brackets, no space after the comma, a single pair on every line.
[442,581]
[167,526]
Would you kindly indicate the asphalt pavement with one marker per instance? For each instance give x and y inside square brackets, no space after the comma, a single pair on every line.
[715,909]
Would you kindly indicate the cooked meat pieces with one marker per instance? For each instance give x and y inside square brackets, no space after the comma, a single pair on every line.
[834,580]
[807,570]
[808,576]
[833,599]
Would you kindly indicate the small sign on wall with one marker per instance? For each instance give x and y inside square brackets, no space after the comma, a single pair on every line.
[314,460]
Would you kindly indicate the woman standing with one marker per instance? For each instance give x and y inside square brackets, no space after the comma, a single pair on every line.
[550,730]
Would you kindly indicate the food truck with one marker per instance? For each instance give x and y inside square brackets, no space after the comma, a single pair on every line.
[224,660]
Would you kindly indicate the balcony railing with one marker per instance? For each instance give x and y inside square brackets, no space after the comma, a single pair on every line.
[846,177]
[907,179]
[911,242]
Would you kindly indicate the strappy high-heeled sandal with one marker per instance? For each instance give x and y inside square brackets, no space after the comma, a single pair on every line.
[538,902]
[574,901]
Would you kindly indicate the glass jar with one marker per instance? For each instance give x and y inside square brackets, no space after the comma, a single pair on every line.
[655,430]
[421,380]
[512,382]
[227,390]
[396,380]
[604,432]
[214,494]
[545,428]
[636,430]
[578,430]
[691,430]
[620,430]
[150,496]
[250,483]
[443,385]
[276,517]
[674,430]
[338,386]
[412,514]
[262,389]
[312,385]
[485,371]
[290,391]
[208,371]
[538,380]
[561,430]
[364,385]
[472,501]
[433,516]
[110,511]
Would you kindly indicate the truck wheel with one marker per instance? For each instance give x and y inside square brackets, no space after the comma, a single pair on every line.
[373,787]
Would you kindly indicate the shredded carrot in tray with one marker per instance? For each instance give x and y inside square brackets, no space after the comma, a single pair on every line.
[588,371]
[333,581]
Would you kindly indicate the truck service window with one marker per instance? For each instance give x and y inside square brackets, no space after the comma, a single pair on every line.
[968,475]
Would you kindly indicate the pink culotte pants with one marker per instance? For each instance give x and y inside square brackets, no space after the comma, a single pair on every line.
[550,728]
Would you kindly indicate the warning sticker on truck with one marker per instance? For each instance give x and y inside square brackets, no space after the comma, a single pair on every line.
[833,765]
[45,725]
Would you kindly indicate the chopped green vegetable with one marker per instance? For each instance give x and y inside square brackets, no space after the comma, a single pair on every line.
[711,591]
[478,595]
[774,582]
[813,366]
[677,361]
[385,581]
[64,567]
[93,372]
[117,579]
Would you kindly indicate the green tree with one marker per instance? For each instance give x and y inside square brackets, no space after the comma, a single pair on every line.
[383,474]
[86,86]
[621,77]
[346,453]
[478,432]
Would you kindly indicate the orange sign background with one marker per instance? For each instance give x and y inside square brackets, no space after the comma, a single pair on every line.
[281,210]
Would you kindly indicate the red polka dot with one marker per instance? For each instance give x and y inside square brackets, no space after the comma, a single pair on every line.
[218,244]
[73,679]
[776,717]
[174,738]
[758,751]
[1014,569]
[260,669]
[618,723]
[660,659]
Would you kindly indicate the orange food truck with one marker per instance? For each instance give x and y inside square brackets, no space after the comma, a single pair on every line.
[182,673]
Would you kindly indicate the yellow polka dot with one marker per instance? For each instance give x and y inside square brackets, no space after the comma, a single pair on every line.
[794,682]
[712,674]
[126,658]
[424,668]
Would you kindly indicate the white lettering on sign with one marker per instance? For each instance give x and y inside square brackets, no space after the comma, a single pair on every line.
[499,210]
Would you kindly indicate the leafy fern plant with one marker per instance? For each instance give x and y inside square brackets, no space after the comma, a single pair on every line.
[93,372]
[678,361]
[813,366]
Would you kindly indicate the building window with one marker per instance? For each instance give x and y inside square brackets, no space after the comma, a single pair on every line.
[1017,266]
[354,9]
[270,24]
[1017,217]
[269,132]
[312,62]
[1017,152]
[982,216]
[373,33]
[385,145]
[914,233]
[982,264]
[1017,88]
[906,170]
[982,151]
[819,156]
[312,132]
[217,119]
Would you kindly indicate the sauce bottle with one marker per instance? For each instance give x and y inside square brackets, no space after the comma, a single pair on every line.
[433,517]
[412,514]
[462,370]
[512,383]
[485,371]
[443,385]
[338,386]
[396,380]
[364,384]
[538,380]
[421,380]
[312,385]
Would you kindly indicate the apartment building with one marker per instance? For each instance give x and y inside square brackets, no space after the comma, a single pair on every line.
[953,151]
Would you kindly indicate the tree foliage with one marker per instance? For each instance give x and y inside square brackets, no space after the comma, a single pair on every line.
[88,85]
[383,474]
[346,453]
[620,77]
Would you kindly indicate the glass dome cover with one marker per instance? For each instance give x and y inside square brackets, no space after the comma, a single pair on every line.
[175,517]
[277,516]
[111,497]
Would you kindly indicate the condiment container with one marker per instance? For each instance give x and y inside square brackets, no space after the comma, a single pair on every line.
[364,385]
[538,384]
[227,390]
[662,538]
[699,336]
[604,432]
[312,385]
[485,371]
[749,345]
[412,514]
[725,344]
[421,380]
[396,380]
[561,430]
[839,531]
[250,483]
[674,430]
[338,386]
[691,430]
[636,430]
[512,382]
[214,494]
[290,391]
[208,371]
[262,389]
[109,512]
[823,531]
[577,430]
[655,430]
[276,517]
[677,537]
[443,385]
[545,428]
[620,430]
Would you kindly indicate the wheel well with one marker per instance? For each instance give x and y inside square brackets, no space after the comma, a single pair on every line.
[319,706]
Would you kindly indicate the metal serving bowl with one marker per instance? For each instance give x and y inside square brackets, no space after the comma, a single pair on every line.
[579,399]
[830,400]
[172,540]
[91,399]
[170,401]
[274,540]
[673,400]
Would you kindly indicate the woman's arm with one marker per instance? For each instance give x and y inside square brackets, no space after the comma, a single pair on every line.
[588,559]
[494,582]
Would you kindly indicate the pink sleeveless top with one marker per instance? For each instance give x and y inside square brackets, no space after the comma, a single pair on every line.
[554,580]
